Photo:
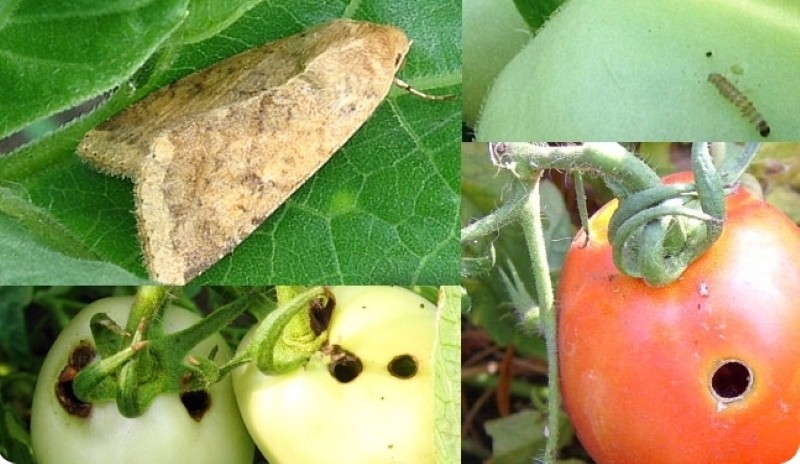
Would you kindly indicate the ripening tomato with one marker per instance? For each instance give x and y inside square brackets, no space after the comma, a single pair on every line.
[704,370]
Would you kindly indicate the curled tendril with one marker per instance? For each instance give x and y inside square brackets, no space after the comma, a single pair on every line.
[657,232]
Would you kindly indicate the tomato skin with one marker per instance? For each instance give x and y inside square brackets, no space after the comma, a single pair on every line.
[637,361]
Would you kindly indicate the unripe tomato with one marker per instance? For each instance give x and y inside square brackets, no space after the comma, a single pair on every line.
[704,370]
[370,401]
[191,429]
[621,69]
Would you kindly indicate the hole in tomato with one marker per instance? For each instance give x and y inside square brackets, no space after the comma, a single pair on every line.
[79,357]
[403,366]
[731,381]
[345,366]
[197,403]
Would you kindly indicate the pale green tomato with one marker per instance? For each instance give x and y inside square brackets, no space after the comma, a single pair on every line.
[493,33]
[623,70]
[308,416]
[164,434]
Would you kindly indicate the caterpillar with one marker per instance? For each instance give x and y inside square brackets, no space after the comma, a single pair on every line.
[735,96]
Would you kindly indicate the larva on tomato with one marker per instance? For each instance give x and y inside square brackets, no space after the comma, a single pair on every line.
[735,96]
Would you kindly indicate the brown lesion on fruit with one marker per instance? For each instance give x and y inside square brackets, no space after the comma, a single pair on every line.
[80,357]
[344,366]
[321,311]
[197,403]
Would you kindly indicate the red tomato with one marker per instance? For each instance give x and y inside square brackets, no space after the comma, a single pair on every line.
[704,370]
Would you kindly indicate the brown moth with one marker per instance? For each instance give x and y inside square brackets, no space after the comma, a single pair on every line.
[214,154]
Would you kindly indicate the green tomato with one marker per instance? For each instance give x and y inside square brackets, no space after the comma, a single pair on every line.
[166,433]
[621,70]
[493,33]
[366,398]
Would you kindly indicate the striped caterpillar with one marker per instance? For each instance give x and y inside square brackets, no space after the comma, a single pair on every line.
[735,96]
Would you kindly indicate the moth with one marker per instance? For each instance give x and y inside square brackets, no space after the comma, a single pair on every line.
[214,154]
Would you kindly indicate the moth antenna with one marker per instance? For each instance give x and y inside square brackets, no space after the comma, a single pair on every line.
[407,87]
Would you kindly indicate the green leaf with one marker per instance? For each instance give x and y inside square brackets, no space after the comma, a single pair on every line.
[57,54]
[447,376]
[383,210]
[15,441]
[517,438]
[13,331]
[536,12]
[520,437]
[29,262]
[208,17]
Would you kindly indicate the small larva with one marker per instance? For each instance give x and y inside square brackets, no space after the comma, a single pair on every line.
[735,96]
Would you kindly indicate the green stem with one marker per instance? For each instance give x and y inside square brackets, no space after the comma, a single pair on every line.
[534,237]
[149,303]
[622,171]
[583,212]
[507,213]
[186,339]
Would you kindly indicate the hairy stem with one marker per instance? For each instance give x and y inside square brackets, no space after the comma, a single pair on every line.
[534,237]
[621,170]
[507,213]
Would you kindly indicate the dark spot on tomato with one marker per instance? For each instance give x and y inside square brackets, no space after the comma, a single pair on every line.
[79,357]
[345,366]
[403,366]
[708,54]
[731,380]
[70,402]
[321,311]
[197,403]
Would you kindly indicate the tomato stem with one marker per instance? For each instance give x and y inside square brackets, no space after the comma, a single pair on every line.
[621,170]
[138,366]
[534,237]
[506,214]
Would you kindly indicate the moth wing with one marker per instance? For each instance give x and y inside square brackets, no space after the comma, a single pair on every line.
[208,183]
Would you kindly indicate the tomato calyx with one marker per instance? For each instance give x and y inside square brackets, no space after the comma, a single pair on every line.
[140,362]
[291,334]
[658,230]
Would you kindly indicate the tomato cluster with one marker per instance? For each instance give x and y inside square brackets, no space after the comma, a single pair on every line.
[366,397]
[704,370]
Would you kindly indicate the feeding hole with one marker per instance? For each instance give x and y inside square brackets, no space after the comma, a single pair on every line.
[321,310]
[403,366]
[197,403]
[731,381]
[344,366]
[79,357]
